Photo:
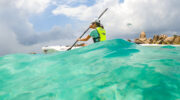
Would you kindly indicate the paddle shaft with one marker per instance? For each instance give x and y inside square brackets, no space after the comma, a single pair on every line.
[87,29]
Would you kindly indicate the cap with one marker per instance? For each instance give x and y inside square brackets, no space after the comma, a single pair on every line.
[96,21]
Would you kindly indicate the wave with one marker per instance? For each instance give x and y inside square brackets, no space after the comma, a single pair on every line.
[109,70]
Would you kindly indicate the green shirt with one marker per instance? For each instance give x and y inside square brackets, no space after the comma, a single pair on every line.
[94,34]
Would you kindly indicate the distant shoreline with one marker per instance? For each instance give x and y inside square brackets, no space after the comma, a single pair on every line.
[157,39]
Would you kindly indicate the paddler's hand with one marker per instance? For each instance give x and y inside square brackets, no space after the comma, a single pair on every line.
[79,39]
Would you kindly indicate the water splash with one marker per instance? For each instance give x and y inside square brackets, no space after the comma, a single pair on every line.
[110,70]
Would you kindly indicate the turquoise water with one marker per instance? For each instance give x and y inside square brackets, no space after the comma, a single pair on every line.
[110,70]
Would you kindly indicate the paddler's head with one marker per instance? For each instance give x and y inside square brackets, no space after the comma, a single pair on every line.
[95,24]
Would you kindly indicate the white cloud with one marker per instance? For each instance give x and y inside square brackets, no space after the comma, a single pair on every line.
[32,6]
[17,34]
[70,2]
[145,15]
[73,12]
[10,43]
[83,12]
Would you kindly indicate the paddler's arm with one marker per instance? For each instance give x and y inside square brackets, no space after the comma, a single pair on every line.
[85,39]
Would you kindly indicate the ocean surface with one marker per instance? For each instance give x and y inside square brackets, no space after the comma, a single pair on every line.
[110,70]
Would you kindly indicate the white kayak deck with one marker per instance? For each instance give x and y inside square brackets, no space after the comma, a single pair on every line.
[52,49]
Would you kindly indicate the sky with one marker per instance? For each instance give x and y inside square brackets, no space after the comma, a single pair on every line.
[28,25]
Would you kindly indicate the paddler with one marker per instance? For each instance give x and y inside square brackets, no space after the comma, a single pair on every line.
[98,33]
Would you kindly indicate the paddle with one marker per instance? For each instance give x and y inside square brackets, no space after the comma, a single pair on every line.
[87,30]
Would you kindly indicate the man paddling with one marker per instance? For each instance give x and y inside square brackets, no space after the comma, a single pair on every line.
[98,34]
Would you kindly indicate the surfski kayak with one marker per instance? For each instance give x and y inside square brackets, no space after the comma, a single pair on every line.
[52,49]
